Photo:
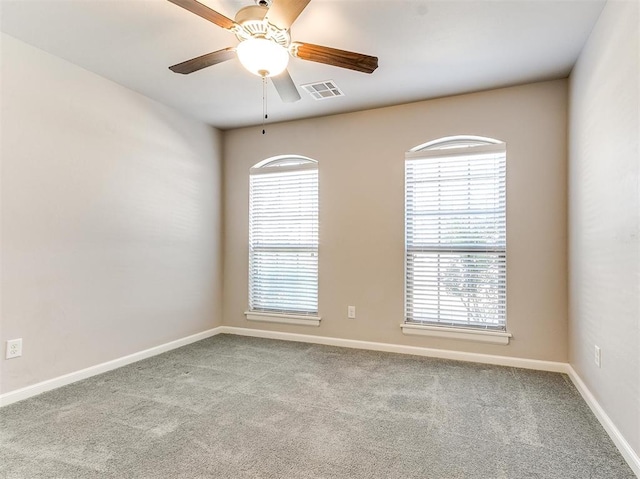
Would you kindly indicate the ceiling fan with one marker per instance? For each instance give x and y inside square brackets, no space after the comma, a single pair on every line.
[265,44]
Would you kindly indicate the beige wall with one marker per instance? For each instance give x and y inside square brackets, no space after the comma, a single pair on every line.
[604,216]
[361,159]
[110,210]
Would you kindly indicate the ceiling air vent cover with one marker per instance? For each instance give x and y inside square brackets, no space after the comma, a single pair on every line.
[323,90]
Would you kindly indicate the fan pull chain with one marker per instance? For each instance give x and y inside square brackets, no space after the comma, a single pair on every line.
[264,102]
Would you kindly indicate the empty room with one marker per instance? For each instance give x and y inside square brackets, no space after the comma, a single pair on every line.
[320,239]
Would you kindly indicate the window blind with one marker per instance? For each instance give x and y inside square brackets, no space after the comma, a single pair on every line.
[455,220]
[283,239]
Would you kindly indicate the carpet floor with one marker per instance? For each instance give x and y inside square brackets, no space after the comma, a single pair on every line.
[240,407]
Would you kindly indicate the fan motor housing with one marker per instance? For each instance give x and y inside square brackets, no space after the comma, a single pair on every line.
[251,13]
[252,20]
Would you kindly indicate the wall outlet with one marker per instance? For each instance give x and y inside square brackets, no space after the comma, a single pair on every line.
[351,312]
[14,348]
[598,356]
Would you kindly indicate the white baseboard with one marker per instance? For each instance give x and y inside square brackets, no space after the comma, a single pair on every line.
[35,389]
[399,348]
[614,433]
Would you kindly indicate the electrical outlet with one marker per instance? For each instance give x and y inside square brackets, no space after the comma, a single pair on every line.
[14,348]
[351,312]
[598,356]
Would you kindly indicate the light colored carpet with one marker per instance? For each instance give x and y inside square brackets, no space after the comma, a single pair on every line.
[236,407]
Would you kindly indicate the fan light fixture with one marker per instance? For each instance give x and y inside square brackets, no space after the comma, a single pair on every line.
[262,57]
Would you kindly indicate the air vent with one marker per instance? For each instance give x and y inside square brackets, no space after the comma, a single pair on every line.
[323,90]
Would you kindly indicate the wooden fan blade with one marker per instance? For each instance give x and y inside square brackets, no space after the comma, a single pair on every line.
[282,13]
[205,12]
[335,57]
[204,61]
[285,87]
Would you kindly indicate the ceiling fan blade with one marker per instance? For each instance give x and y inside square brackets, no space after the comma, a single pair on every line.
[204,61]
[285,87]
[282,13]
[205,12]
[335,57]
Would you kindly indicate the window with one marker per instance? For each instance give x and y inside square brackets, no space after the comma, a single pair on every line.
[283,240]
[455,235]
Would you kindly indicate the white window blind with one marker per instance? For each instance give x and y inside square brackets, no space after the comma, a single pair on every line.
[283,236]
[455,220]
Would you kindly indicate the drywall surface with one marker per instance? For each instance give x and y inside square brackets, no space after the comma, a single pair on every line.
[604,216]
[361,180]
[111,240]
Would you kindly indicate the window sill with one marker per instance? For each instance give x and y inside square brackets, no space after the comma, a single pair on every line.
[482,336]
[298,319]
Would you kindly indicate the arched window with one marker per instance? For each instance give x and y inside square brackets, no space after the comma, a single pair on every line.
[283,239]
[455,233]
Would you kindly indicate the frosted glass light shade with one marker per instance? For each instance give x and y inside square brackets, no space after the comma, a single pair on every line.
[262,57]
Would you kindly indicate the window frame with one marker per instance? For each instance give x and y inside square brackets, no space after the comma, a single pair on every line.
[456,146]
[282,314]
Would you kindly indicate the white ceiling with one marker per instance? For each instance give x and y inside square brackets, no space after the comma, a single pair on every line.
[426,49]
